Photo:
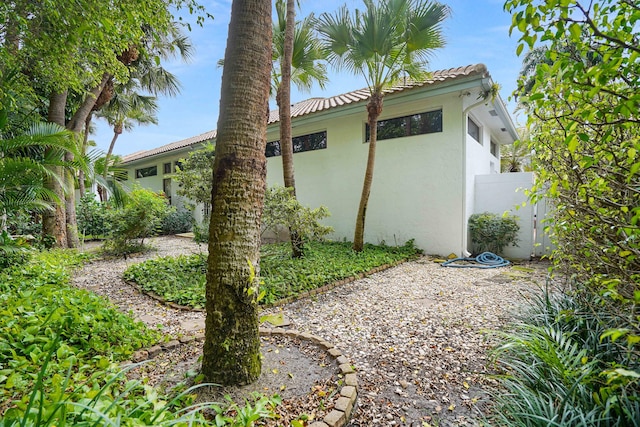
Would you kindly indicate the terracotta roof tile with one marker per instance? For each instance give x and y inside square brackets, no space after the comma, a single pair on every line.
[170,147]
[313,105]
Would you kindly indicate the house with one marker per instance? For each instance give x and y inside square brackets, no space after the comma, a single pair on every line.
[435,138]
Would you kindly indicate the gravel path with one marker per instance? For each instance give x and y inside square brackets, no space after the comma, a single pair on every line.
[416,333]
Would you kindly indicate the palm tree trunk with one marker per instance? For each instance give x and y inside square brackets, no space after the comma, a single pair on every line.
[108,155]
[232,342]
[76,125]
[374,108]
[54,221]
[284,108]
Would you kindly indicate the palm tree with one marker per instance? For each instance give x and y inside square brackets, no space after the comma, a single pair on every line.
[232,341]
[391,39]
[297,50]
[123,112]
[24,161]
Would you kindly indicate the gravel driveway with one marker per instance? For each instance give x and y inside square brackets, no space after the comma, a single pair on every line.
[416,333]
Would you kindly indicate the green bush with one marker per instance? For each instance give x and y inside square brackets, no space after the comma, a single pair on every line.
[182,279]
[283,212]
[38,307]
[492,233]
[141,217]
[201,231]
[93,217]
[24,223]
[13,252]
[177,221]
[566,365]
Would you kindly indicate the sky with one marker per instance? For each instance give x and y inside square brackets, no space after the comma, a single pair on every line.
[476,32]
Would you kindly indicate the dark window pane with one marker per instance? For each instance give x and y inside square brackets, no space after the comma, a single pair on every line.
[416,124]
[473,129]
[145,172]
[273,149]
[310,142]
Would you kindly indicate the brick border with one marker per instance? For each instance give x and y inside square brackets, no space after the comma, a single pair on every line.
[344,406]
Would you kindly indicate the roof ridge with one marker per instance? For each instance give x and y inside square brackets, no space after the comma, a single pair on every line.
[316,104]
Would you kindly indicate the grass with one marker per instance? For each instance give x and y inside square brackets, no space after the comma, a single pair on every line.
[182,279]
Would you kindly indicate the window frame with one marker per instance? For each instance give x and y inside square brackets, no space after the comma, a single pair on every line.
[141,172]
[301,144]
[470,122]
[423,128]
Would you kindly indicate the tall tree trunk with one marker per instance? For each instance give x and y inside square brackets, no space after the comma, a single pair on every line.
[374,108]
[76,124]
[73,241]
[107,156]
[284,107]
[54,221]
[85,142]
[232,342]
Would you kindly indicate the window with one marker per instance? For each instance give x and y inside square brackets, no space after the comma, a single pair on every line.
[177,164]
[473,129]
[167,167]
[494,149]
[310,142]
[145,172]
[416,124]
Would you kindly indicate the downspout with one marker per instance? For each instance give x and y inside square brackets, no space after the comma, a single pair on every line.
[485,85]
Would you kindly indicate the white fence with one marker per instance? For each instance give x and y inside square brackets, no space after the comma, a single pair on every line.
[505,192]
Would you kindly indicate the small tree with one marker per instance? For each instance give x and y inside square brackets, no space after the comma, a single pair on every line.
[390,40]
[282,211]
[141,217]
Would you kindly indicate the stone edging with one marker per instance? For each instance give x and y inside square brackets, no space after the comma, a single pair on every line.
[344,406]
[280,302]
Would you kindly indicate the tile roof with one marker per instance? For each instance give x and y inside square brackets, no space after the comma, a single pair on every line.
[314,105]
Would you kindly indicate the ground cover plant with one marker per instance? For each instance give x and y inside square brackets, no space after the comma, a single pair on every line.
[567,365]
[181,279]
[60,354]
[37,308]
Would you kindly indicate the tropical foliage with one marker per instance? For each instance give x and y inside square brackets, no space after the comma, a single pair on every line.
[490,232]
[576,362]
[182,279]
[142,216]
[283,212]
[391,39]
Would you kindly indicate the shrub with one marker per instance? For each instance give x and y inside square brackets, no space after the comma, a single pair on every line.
[13,251]
[566,365]
[283,212]
[177,221]
[492,233]
[201,231]
[24,223]
[140,218]
[93,217]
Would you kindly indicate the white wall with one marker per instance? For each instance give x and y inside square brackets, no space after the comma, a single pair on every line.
[417,183]
[500,193]
[423,187]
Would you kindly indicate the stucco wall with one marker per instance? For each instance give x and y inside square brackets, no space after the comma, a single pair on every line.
[423,186]
[416,190]
[500,193]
